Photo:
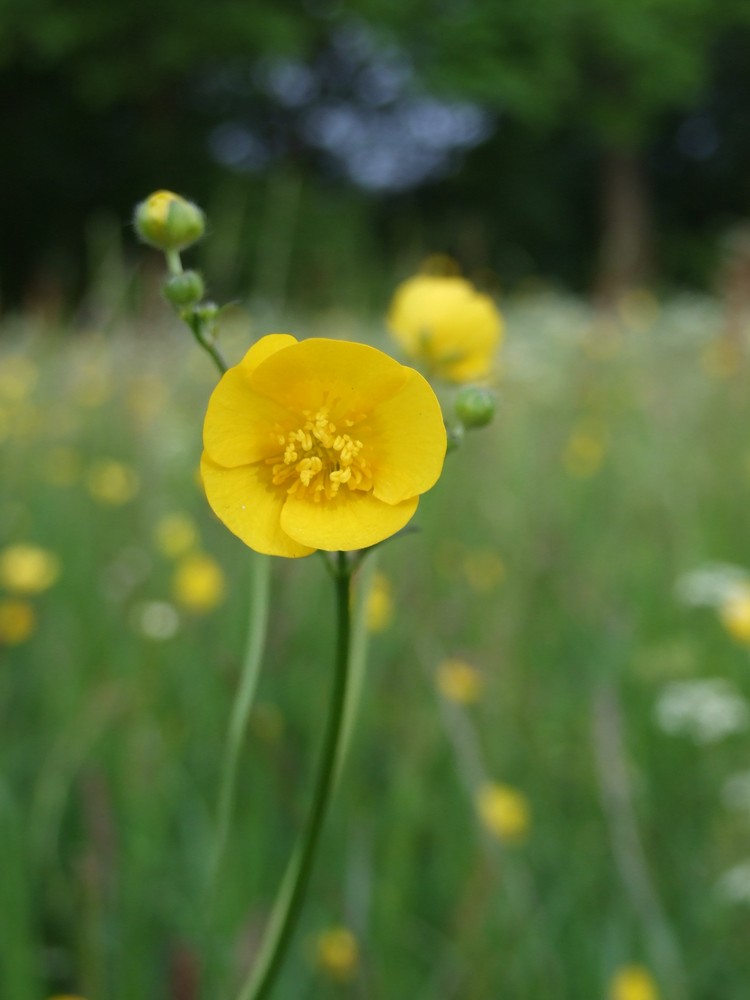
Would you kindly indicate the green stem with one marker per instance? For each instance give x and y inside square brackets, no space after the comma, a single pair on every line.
[174,262]
[288,905]
[198,326]
[256,637]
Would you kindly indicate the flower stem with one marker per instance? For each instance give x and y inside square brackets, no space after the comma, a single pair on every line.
[256,637]
[204,336]
[288,905]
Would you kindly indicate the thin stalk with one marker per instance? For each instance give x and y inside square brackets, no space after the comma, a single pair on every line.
[256,639]
[203,335]
[288,905]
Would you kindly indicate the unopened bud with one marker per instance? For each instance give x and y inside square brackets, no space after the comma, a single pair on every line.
[168,222]
[456,435]
[475,406]
[185,289]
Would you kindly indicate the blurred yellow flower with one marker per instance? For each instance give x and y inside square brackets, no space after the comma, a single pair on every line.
[379,604]
[447,324]
[18,376]
[175,534]
[65,996]
[111,483]
[17,622]
[504,812]
[337,953]
[735,615]
[722,358]
[28,569]
[633,982]
[458,681]
[483,569]
[198,584]
[319,444]
[585,450]
[61,466]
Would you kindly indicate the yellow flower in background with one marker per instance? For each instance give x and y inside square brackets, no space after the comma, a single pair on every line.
[585,450]
[319,444]
[175,534]
[111,483]
[483,569]
[379,604]
[28,569]
[337,953]
[447,324]
[18,376]
[198,584]
[458,681]
[504,812]
[66,996]
[735,615]
[61,466]
[633,982]
[17,622]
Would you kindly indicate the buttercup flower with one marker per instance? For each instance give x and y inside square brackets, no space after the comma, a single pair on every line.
[633,982]
[319,444]
[459,681]
[447,324]
[735,614]
[17,622]
[380,604]
[28,569]
[198,584]
[504,811]
[337,953]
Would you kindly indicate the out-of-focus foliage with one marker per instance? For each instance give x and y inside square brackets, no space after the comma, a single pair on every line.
[611,65]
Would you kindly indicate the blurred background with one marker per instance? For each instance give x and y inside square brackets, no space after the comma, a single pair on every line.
[548,792]
[589,145]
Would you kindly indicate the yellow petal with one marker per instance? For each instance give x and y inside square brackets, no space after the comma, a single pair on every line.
[348,378]
[239,425]
[244,499]
[408,442]
[353,520]
[264,348]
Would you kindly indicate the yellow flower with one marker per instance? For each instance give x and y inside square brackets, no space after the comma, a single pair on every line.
[198,584]
[504,811]
[458,681]
[484,570]
[319,444]
[175,534]
[17,622]
[585,450]
[447,324]
[112,483]
[379,604]
[337,953]
[735,615]
[633,982]
[28,569]
[18,376]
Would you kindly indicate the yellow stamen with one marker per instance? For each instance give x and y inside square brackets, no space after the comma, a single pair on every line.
[316,460]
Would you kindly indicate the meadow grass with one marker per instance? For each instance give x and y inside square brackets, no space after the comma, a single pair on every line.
[547,557]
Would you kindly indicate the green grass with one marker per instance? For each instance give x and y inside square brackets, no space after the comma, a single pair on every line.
[112,741]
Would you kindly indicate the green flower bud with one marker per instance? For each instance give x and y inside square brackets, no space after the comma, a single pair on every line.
[168,222]
[456,434]
[475,406]
[185,289]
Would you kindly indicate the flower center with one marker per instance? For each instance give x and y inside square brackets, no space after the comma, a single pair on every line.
[317,459]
